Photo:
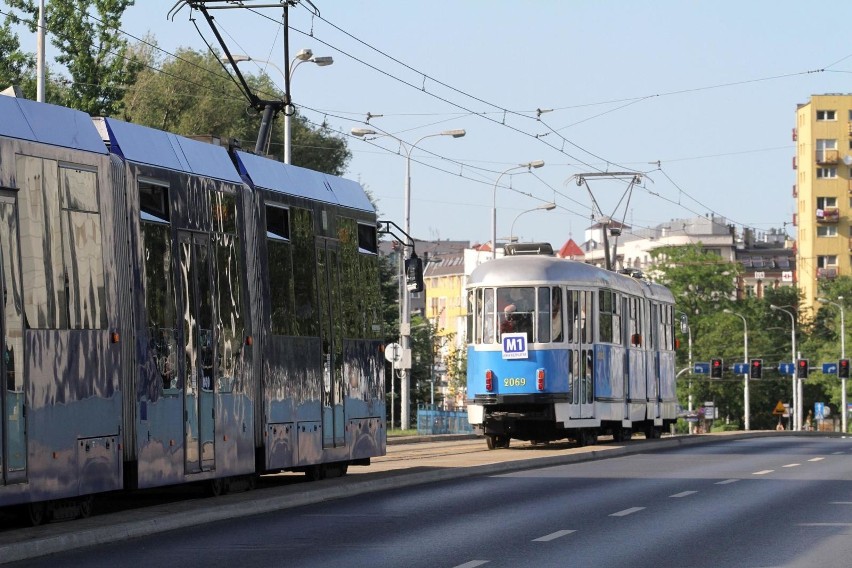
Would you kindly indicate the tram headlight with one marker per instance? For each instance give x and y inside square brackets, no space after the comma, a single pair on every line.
[539,379]
[489,380]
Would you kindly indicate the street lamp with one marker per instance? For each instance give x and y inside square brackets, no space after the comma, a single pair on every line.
[842,354]
[304,55]
[745,359]
[528,166]
[543,207]
[405,320]
[797,411]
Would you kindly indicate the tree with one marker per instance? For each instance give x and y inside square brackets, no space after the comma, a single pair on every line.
[192,94]
[15,66]
[91,48]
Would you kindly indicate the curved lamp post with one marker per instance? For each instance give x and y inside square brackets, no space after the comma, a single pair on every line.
[844,412]
[745,358]
[529,166]
[304,56]
[797,411]
[405,319]
[543,207]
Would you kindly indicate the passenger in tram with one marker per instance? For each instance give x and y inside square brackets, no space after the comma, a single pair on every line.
[556,317]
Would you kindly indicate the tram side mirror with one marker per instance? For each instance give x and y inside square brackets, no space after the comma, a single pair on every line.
[414,274]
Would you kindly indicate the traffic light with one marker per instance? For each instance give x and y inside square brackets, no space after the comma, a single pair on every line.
[715,368]
[414,273]
[756,369]
[843,369]
[802,368]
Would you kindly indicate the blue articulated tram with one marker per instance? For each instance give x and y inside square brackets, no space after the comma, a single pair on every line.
[176,311]
[561,349]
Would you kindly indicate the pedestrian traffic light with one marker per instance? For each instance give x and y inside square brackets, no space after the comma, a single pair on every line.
[715,368]
[414,273]
[756,369]
[802,368]
[843,369]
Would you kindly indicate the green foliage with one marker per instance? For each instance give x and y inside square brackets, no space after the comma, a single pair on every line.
[15,66]
[93,52]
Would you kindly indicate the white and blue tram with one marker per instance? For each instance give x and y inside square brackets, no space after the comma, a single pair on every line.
[562,349]
[176,311]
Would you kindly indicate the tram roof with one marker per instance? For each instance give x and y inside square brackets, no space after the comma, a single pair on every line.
[143,145]
[24,119]
[517,270]
[293,180]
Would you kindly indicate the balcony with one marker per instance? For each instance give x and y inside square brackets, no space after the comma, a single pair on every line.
[827,273]
[828,215]
[827,156]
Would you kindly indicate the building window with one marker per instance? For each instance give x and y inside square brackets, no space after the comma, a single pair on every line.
[829,260]
[827,231]
[826,173]
[826,115]
[826,202]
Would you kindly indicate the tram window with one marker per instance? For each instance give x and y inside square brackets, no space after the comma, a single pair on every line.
[517,308]
[543,315]
[229,313]
[277,223]
[160,302]
[154,202]
[557,321]
[471,314]
[305,315]
[367,241]
[224,213]
[572,312]
[489,326]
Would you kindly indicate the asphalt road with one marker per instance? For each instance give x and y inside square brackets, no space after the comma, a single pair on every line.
[423,465]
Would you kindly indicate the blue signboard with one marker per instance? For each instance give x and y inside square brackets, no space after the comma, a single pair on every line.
[786,368]
[829,368]
[701,368]
[740,368]
[819,410]
[515,346]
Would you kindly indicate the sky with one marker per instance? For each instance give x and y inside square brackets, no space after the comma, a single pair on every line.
[699,97]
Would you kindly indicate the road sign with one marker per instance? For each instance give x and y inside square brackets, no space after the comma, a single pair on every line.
[829,368]
[786,368]
[740,368]
[393,352]
[779,409]
[701,368]
[819,410]
[515,346]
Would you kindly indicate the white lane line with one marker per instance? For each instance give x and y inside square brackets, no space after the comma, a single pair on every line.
[764,472]
[683,494]
[825,524]
[727,481]
[792,465]
[553,536]
[837,453]
[472,564]
[626,512]
[815,459]
[840,503]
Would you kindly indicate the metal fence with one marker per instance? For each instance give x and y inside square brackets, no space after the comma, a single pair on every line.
[433,420]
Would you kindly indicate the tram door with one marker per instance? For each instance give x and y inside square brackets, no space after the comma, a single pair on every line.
[582,354]
[331,334]
[199,343]
[13,428]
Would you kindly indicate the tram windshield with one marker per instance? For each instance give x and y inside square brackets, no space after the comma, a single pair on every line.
[538,312]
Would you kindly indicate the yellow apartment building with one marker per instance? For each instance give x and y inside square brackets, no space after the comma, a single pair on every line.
[823,191]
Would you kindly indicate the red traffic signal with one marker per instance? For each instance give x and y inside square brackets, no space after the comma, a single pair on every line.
[756,369]
[802,368]
[715,368]
[843,369]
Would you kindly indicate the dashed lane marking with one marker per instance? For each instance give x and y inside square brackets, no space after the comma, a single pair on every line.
[815,459]
[792,465]
[683,493]
[472,564]
[763,472]
[626,512]
[553,536]
[727,481]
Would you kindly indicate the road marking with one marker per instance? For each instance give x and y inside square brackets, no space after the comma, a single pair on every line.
[472,564]
[837,453]
[553,536]
[840,503]
[815,459]
[727,481]
[626,512]
[683,494]
[825,524]
[764,472]
[792,465]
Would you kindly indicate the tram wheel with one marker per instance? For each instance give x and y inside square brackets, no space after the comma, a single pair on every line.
[85,507]
[218,486]
[36,513]
[491,442]
[315,472]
